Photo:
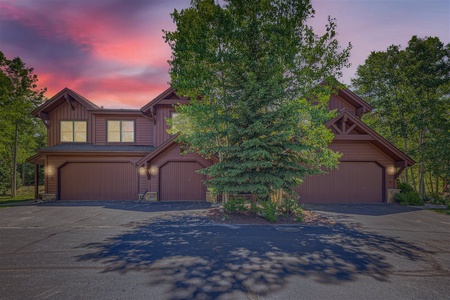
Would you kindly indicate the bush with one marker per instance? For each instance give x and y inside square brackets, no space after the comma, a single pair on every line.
[269,210]
[435,198]
[234,204]
[404,187]
[408,198]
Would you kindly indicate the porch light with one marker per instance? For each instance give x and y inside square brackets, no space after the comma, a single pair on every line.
[391,170]
[142,171]
[153,170]
[49,170]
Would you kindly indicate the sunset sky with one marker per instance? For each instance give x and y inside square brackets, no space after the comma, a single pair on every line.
[112,51]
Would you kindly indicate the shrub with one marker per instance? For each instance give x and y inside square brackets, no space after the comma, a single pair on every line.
[435,198]
[235,204]
[408,198]
[269,210]
[404,187]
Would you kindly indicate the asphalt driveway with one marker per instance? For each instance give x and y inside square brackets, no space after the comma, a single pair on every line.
[124,250]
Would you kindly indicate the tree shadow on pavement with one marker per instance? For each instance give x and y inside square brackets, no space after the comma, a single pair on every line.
[197,259]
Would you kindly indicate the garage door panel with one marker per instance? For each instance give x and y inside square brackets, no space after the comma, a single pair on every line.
[353,182]
[179,181]
[98,181]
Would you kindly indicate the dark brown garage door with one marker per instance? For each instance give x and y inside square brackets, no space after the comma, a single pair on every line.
[353,182]
[180,182]
[98,181]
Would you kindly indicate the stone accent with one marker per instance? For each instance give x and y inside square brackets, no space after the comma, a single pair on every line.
[149,197]
[48,197]
[211,198]
[390,195]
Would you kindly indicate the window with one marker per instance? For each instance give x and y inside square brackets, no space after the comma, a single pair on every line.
[120,131]
[73,131]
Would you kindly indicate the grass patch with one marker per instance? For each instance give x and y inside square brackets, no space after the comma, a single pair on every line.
[442,211]
[25,193]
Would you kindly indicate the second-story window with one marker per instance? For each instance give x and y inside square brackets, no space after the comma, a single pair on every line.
[73,131]
[120,131]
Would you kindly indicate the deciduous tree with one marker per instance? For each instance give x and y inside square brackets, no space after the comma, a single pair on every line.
[19,132]
[410,89]
[252,71]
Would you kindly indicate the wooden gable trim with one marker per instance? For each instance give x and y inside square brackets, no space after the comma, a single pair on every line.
[65,94]
[362,106]
[164,146]
[369,134]
[155,101]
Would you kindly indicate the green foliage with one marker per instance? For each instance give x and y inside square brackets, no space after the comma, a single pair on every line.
[290,206]
[20,133]
[408,198]
[410,91]
[435,198]
[252,71]
[269,210]
[405,187]
[235,205]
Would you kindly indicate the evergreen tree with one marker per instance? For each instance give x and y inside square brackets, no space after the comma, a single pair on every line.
[253,71]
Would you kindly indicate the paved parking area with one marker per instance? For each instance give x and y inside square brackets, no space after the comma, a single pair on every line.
[124,250]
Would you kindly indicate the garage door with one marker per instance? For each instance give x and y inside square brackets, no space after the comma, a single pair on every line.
[98,181]
[180,182]
[353,182]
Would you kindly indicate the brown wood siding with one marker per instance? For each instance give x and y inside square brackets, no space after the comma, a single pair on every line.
[160,134]
[54,162]
[180,182]
[98,181]
[365,151]
[338,103]
[65,112]
[353,182]
[143,129]
[172,155]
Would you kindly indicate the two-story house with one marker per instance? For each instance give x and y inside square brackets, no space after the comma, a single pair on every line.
[95,153]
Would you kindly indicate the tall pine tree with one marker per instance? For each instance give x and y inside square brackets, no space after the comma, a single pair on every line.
[252,71]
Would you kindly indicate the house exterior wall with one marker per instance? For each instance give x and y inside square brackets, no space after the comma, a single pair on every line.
[172,155]
[65,112]
[53,164]
[143,128]
[366,151]
[336,102]
[163,112]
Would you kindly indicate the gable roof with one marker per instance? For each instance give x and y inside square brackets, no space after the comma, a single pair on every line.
[375,138]
[361,106]
[64,95]
[164,146]
[169,97]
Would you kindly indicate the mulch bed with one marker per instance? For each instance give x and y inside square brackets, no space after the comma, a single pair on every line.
[218,215]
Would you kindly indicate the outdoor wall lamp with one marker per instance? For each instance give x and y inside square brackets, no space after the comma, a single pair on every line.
[391,170]
[153,170]
[142,171]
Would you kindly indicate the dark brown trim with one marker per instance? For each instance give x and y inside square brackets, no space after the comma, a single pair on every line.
[353,137]
[376,137]
[167,144]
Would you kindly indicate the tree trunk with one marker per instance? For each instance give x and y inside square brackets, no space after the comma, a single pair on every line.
[437,184]
[23,174]
[14,163]
[431,184]
[405,141]
[421,168]
[413,177]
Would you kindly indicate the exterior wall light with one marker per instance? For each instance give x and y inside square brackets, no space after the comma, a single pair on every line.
[391,170]
[153,170]
[142,171]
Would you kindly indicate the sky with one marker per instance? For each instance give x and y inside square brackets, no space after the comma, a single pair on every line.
[113,52]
